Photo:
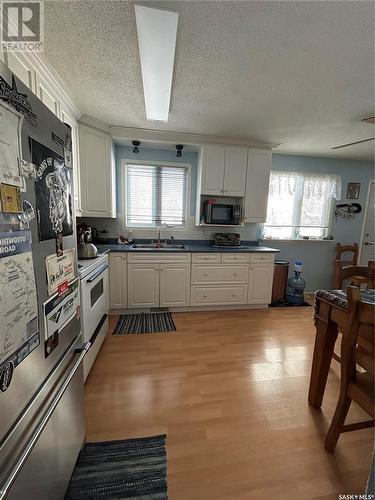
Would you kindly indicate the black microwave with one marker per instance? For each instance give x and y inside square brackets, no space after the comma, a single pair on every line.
[218,213]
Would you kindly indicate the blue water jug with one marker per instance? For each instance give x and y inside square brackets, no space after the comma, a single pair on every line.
[296,285]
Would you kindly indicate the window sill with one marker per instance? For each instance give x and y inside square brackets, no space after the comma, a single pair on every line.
[300,240]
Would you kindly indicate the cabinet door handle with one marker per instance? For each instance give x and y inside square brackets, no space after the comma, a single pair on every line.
[205,274]
[234,295]
[205,296]
[234,274]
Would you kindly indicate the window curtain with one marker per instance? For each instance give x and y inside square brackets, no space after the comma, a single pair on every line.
[313,185]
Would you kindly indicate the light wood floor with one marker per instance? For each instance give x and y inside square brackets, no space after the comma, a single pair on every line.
[229,389]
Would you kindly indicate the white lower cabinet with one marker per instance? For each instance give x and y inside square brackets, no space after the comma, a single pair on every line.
[159,280]
[143,285]
[218,295]
[260,283]
[117,281]
[174,285]
[219,273]
[144,281]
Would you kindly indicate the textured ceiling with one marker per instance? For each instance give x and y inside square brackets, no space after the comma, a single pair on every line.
[296,73]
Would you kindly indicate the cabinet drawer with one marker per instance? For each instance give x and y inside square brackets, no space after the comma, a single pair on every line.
[235,257]
[158,257]
[224,273]
[262,257]
[206,257]
[206,295]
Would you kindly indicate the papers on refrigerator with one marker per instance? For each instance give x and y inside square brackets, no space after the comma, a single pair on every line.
[60,309]
[59,269]
[19,333]
[10,145]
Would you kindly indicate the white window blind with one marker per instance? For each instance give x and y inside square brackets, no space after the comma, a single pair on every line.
[155,195]
[299,204]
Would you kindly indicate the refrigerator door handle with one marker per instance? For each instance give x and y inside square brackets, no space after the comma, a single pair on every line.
[23,456]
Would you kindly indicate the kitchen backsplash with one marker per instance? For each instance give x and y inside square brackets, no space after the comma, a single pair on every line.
[115,227]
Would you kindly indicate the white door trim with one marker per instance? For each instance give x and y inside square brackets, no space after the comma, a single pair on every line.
[364,219]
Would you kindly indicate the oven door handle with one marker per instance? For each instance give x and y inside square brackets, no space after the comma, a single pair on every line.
[91,277]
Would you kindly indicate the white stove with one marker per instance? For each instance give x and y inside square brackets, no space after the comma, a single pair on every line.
[94,305]
[86,266]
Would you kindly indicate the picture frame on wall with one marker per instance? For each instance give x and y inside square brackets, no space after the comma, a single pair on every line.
[353,190]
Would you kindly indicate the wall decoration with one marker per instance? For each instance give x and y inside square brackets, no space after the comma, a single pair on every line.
[60,309]
[353,190]
[18,101]
[59,269]
[53,189]
[347,210]
[10,145]
[10,198]
[19,332]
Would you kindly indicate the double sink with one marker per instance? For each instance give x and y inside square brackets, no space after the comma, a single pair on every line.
[158,246]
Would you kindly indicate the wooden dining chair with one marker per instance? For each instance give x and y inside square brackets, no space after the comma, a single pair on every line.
[357,348]
[358,275]
[340,262]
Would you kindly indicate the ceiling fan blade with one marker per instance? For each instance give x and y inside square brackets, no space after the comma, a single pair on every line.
[352,143]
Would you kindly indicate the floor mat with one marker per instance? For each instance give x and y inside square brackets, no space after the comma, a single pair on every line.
[144,323]
[131,468]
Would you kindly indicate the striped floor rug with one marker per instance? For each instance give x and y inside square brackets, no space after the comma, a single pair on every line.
[144,323]
[133,468]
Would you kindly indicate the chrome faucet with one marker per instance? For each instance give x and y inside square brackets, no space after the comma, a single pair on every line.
[159,238]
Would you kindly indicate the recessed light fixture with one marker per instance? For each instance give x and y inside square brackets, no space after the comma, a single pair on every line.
[136,145]
[157,33]
[179,148]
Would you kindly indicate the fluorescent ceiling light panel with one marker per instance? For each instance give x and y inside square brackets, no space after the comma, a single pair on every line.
[157,32]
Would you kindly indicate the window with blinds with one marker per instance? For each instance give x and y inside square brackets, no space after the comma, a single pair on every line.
[155,195]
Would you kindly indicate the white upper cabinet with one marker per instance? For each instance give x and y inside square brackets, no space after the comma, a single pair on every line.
[257,184]
[47,95]
[98,196]
[223,170]
[66,117]
[235,170]
[213,164]
[22,69]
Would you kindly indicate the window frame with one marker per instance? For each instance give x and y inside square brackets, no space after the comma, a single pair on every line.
[124,187]
[297,214]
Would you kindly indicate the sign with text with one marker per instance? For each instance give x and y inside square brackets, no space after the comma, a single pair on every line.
[59,269]
[22,27]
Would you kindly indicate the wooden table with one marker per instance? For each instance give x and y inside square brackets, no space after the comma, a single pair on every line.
[330,317]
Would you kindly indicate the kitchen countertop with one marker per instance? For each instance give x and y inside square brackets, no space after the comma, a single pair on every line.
[191,247]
